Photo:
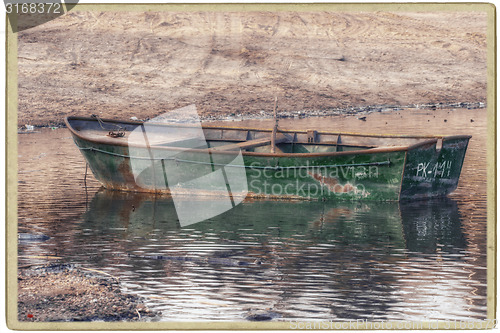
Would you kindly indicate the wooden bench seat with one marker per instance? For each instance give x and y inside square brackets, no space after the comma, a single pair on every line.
[250,144]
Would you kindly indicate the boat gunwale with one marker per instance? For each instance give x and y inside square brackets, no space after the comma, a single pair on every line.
[114,142]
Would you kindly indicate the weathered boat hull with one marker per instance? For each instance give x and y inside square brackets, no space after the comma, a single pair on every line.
[421,170]
[431,172]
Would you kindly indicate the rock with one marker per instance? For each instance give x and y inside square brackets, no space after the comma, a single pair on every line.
[32,237]
[261,315]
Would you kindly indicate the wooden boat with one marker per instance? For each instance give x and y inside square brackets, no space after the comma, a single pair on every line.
[287,163]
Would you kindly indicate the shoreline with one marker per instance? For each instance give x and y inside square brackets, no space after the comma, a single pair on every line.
[263,115]
[68,293]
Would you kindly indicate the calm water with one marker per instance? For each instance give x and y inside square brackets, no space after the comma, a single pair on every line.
[292,260]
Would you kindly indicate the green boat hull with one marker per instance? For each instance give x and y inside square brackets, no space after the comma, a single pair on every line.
[419,172]
[431,172]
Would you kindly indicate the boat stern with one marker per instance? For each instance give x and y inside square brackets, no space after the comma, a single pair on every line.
[433,168]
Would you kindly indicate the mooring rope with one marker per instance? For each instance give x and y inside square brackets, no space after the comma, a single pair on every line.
[120,130]
[388,162]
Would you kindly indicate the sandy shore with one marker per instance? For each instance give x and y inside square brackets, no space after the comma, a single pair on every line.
[124,64]
[66,293]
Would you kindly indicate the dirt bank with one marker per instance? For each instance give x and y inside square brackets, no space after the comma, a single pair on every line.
[65,293]
[123,64]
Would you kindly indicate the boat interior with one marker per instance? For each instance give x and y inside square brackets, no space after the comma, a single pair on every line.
[222,138]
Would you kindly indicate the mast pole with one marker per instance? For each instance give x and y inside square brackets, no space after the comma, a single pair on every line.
[275,128]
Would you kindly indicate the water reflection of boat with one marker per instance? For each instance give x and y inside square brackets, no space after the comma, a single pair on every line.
[431,226]
[153,157]
[343,260]
[416,226]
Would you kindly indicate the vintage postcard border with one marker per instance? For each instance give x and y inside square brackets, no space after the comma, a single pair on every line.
[11,155]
